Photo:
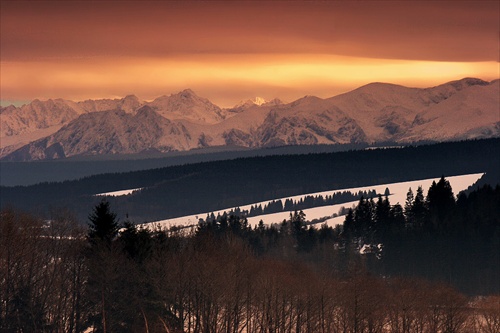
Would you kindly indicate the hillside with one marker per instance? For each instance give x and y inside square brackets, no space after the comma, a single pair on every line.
[210,186]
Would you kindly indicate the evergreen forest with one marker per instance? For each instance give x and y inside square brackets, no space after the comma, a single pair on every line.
[429,266]
[210,186]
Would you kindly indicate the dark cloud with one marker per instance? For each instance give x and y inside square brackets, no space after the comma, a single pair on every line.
[421,30]
[230,50]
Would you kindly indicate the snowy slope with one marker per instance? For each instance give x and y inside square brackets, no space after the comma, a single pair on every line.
[464,115]
[398,195]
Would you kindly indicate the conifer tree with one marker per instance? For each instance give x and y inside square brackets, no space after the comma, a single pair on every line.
[381,216]
[419,208]
[440,200]
[349,227]
[103,226]
[363,217]
[410,198]
[397,218]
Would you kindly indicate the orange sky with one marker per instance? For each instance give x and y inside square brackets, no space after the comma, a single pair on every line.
[229,51]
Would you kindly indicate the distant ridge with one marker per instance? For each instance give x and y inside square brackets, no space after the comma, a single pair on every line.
[376,112]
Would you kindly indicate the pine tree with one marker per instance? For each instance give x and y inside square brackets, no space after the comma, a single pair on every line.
[103,226]
[103,268]
[397,218]
[381,217]
[440,200]
[387,192]
[419,208]
[349,227]
[363,218]
[410,198]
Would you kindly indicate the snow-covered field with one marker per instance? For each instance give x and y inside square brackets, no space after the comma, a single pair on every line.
[119,193]
[398,195]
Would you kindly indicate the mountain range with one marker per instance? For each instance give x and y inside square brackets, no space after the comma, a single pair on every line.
[374,113]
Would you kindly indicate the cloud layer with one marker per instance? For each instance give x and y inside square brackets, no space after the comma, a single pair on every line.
[227,49]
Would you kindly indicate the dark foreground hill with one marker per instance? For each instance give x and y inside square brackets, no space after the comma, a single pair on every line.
[194,188]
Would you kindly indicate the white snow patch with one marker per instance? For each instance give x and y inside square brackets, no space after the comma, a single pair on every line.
[397,191]
[259,101]
[311,214]
[119,193]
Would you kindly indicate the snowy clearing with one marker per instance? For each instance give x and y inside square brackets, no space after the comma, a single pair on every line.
[118,193]
[398,195]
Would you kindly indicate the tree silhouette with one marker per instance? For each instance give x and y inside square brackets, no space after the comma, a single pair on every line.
[419,209]
[440,200]
[103,226]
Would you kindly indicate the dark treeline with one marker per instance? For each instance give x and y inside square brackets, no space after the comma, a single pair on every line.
[204,187]
[308,201]
[434,236]
[225,276]
[76,167]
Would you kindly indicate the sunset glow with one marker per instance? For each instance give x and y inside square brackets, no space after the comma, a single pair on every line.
[232,51]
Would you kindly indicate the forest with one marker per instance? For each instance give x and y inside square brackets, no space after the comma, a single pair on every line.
[204,187]
[76,167]
[308,201]
[428,266]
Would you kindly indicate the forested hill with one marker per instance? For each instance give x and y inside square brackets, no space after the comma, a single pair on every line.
[73,168]
[195,188]
[228,277]
[435,236]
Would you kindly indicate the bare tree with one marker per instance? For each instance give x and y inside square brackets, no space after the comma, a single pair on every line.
[487,314]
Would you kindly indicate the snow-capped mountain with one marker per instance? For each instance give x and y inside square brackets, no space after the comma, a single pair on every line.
[129,104]
[397,113]
[36,115]
[309,121]
[250,102]
[110,132]
[468,108]
[257,101]
[187,105]
[38,119]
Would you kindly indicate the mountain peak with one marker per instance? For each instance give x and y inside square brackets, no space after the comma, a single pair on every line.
[8,108]
[461,84]
[186,93]
[274,101]
[188,106]
[446,90]
[130,103]
[467,82]
[131,97]
[307,99]
[377,86]
[259,101]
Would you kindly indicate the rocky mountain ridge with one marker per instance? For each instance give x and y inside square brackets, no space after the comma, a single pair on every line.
[377,112]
